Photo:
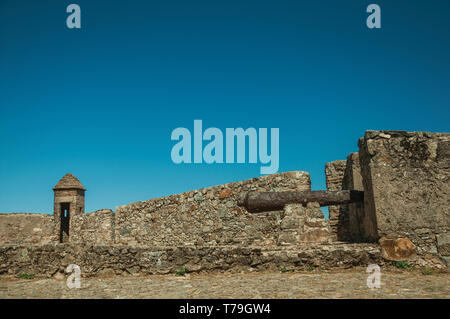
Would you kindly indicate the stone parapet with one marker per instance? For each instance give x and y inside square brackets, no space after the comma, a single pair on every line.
[208,216]
[25,228]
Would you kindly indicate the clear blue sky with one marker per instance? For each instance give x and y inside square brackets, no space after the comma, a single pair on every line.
[101,102]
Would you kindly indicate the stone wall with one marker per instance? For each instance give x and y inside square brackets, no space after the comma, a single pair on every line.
[339,219]
[24,228]
[303,224]
[98,227]
[38,229]
[407,187]
[207,216]
[404,176]
[48,260]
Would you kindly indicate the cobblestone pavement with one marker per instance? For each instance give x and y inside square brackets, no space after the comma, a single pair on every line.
[314,284]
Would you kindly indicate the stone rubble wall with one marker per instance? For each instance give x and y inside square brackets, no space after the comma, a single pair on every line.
[338,214]
[25,228]
[303,224]
[97,227]
[49,260]
[208,216]
[407,188]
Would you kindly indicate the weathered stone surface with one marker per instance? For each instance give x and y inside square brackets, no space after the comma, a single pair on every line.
[98,227]
[106,261]
[224,193]
[23,228]
[339,218]
[69,182]
[345,220]
[446,260]
[443,244]
[242,284]
[216,220]
[205,216]
[303,224]
[59,276]
[406,184]
[334,173]
[397,249]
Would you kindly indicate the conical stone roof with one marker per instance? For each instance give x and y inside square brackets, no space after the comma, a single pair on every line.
[69,182]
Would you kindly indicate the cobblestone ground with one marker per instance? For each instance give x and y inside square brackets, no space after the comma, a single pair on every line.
[314,284]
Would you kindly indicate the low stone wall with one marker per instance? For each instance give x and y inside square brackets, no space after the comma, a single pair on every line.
[24,228]
[46,261]
[98,227]
[208,216]
[407,187]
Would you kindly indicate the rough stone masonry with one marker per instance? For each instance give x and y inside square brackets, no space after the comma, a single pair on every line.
[404,177]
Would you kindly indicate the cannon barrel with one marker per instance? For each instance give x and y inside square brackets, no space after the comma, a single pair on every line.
[269,201]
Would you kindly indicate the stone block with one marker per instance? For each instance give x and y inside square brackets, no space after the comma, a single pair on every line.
[406,185]
[443,244]
[397,249]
